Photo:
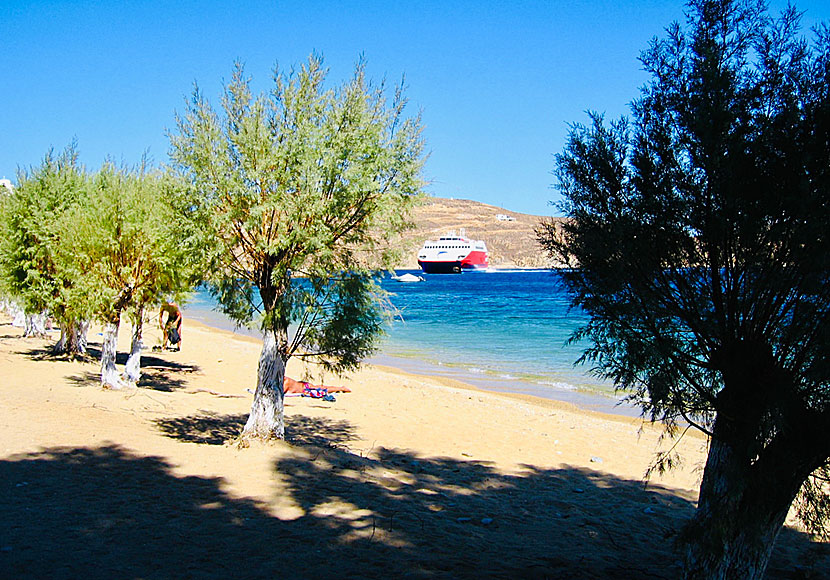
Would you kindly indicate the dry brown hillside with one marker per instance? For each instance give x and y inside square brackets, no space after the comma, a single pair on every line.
[511,243]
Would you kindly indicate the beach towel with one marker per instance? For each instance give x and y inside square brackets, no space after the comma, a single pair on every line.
[314,392]
[317,393]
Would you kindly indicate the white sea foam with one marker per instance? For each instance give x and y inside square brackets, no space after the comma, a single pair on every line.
[559,385]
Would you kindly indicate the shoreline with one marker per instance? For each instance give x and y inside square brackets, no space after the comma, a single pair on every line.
[589,401]
[583,400]
[418,371]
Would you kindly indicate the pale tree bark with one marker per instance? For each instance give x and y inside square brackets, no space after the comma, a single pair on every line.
[110,377]
[19,317]
[16,312]
[9,306]
[73,340]
[62,346]
[267,419]
[34,325]
[132,370]
[81,336]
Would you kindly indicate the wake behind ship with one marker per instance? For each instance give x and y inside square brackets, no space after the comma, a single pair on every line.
[452,254]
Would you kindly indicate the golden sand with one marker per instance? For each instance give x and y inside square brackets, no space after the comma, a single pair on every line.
[406,476]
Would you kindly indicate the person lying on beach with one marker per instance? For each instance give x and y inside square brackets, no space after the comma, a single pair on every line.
[290,386]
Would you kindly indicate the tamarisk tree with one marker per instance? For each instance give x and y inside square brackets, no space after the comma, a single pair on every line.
[131,245]
[301,189]
[699,236]
[35,255]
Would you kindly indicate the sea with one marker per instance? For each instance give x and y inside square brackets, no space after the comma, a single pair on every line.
[499,330]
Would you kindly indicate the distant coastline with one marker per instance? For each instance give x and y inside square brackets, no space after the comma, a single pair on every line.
[510,236]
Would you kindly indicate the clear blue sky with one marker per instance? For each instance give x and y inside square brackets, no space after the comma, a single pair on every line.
[497,81]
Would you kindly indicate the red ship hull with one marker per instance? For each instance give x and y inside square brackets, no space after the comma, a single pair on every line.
[474,261]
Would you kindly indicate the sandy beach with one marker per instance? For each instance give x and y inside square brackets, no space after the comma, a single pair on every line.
[405,477]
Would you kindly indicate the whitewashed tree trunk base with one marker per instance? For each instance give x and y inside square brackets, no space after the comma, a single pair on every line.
[733,535]
[34,325]
[132,370]
[17,314]
[110,377]
[83,331]
[73,341]
[267,419]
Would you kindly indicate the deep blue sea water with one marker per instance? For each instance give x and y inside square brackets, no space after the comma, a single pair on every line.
[499,330]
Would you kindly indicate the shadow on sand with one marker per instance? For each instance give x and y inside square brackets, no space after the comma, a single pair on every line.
[107,513]
[158,372]
[214,429]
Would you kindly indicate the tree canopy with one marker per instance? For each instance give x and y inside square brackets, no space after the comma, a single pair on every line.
[697,233]
[83,245]
[131,245]
[128,238]
[33,265]
[302,188]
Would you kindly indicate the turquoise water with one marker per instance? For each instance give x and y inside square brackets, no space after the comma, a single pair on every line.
[500,330]
[494,326]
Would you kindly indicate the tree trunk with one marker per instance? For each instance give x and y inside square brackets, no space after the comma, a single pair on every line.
[110,377]
[18,316]
[751,479]
[62,346]
[34,325]
[73,338]
[132,370]
[82,330]
[741,510]
[753,473]
[19,319]
[267,420]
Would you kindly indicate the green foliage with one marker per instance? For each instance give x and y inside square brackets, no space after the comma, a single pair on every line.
[237,297]
[33,265]
[304,181]
[129,240]
[82,245]
[698,233]
[338,318]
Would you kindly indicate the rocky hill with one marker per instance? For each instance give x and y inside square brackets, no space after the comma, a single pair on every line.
[510,236]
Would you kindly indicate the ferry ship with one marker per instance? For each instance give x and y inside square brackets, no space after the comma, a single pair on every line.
[451,254]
